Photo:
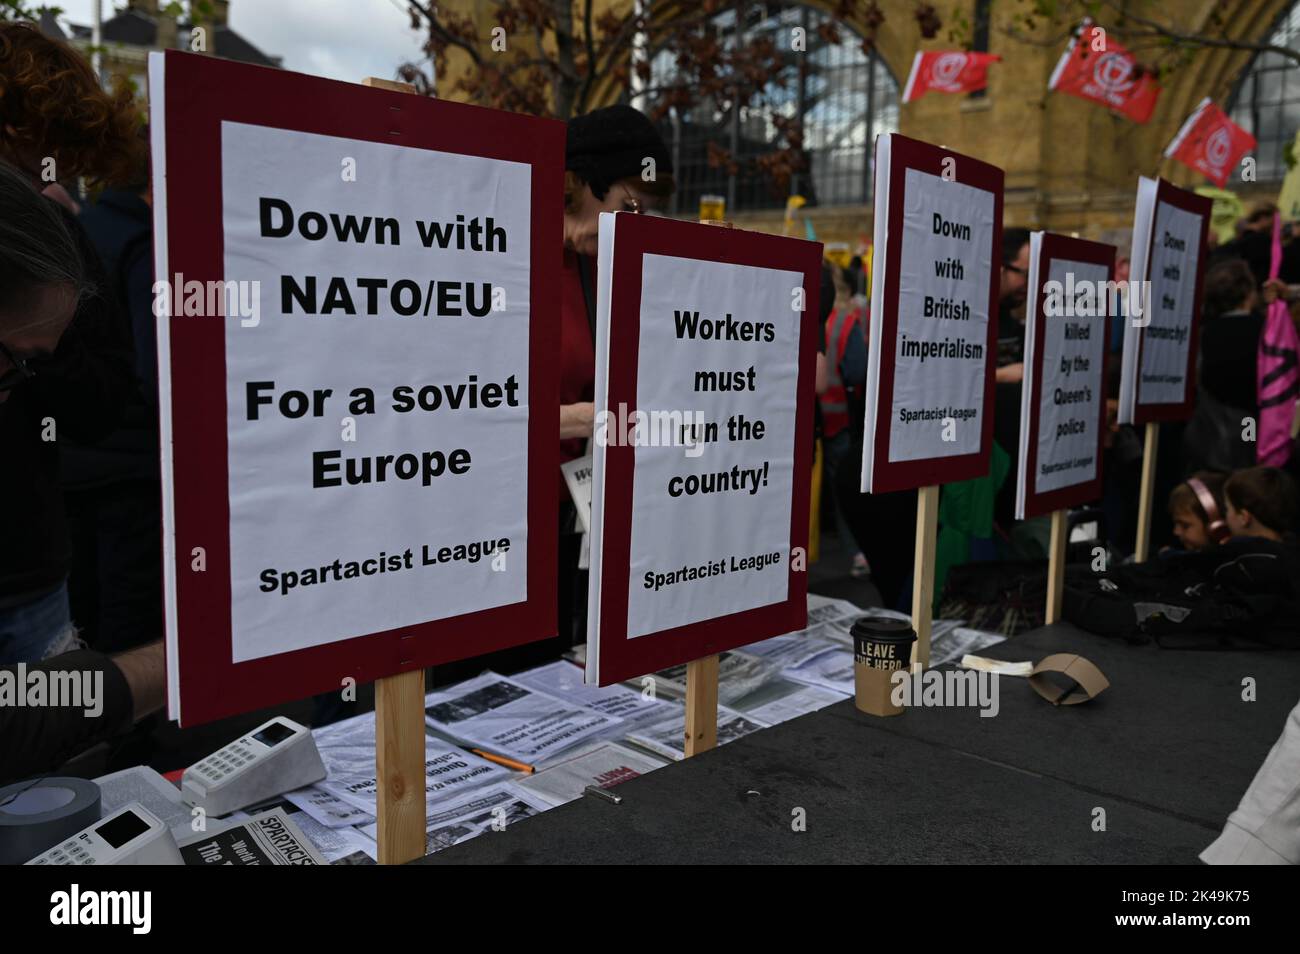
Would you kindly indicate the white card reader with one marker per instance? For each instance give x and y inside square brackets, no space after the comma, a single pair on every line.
[132,835]
[276,757]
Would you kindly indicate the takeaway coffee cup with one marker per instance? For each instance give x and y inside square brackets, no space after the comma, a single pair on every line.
[881,647]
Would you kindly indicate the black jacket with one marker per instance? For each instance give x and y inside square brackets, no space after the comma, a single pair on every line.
[120,227]
[37,739]
[81,392]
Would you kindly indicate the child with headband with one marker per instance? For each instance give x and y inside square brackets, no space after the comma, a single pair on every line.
[1197,509]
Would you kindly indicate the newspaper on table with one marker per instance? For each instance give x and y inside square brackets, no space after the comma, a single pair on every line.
[142,784]
[490,809]
[327,809]
[668,738]
[839,629]
[739,674]
[605,764]
[959,641]
[565,681]
[348,795]
[794,649]
[825,609]
[785,699]
[339,846]
[447,772]
[270,838]
[832,671]
[506,717]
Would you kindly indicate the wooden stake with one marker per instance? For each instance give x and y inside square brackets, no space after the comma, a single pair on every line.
[1056,566]
[927,522]
[399,766]
[393,86]
[1147,491]
[701,705]
[399,727]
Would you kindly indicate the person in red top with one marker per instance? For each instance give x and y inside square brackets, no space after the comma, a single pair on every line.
[606,170]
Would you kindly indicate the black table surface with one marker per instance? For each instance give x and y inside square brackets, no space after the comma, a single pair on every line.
[1166,752]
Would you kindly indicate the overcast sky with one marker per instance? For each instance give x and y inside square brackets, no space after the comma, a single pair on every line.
[342,39]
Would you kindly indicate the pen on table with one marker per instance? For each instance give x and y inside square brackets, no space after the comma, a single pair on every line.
[502,760]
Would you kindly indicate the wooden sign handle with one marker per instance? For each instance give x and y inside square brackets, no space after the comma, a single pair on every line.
[1147,491]
[399,728]
[393,86]
[701,705]
[1056,566]
[927,523]
[399,766]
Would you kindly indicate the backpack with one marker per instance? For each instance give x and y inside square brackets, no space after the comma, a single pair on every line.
[1242,594]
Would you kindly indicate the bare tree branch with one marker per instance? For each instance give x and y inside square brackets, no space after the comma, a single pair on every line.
[437,29]
[1166,37]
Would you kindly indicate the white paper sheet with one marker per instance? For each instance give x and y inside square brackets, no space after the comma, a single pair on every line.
[960,641]
[791,700]
[336,844]
[564,680]
[327,809]
[605,764]
[506,717]
[485,810]
[668,738]
[739,674]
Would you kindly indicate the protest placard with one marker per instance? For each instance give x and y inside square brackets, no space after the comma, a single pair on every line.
[938,236]
[1158,371]
[706,349]
[1063,403]
[357,352]
[1158,375]
[933,336]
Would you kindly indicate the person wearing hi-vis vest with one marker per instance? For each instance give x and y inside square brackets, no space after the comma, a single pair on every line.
[846,368]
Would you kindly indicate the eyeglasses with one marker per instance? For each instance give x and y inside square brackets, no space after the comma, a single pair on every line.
[21,371]
[631,203]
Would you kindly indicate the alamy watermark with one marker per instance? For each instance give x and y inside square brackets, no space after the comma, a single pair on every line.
[211,299]
[934,688]
[1090,299]
[62,688]
[655,428]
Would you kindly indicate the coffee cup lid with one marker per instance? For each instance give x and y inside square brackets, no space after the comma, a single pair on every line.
[883,630]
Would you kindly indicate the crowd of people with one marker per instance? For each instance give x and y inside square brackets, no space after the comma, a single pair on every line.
[80,569]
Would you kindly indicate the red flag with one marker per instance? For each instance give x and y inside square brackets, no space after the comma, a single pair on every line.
[1211,143]
[947,71]
[1109,76]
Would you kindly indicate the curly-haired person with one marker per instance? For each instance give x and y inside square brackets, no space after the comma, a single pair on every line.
[52,108]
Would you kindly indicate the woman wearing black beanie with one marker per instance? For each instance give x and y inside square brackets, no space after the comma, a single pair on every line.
[615,161]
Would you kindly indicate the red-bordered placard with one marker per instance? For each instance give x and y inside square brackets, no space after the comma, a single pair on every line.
[1169,194]
[1054,248]
[637,236]
[201,93]
[908,154]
